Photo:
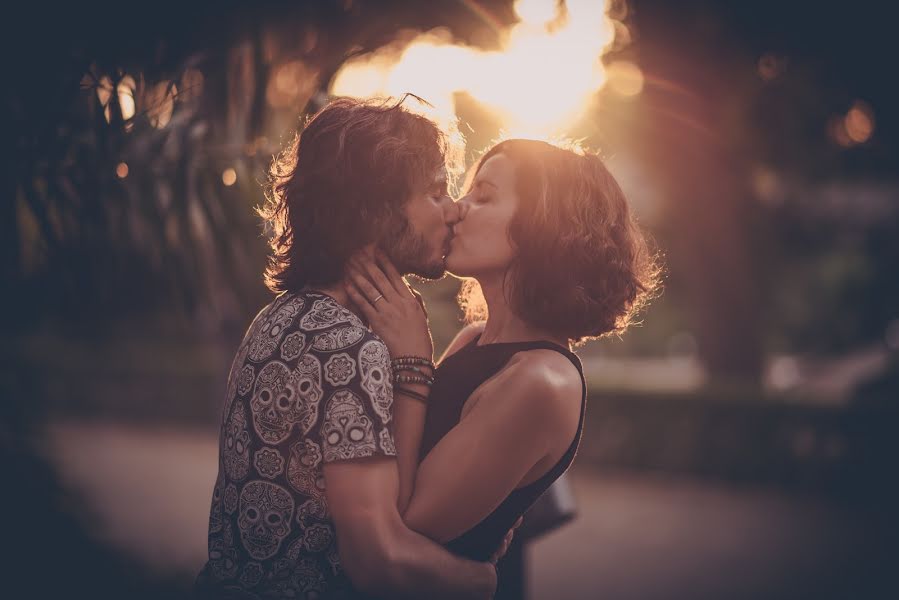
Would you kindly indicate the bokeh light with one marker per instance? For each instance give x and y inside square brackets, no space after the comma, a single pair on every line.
[104,94]
[853,128]
[125,92]
[292,84]
[229,176]
[770,66]
[859,122]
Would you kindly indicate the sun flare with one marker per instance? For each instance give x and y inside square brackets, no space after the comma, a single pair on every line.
[538,84]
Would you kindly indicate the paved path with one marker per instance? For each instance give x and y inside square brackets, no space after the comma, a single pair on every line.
[636,537]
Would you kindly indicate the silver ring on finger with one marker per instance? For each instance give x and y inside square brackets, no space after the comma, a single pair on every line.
[375,301]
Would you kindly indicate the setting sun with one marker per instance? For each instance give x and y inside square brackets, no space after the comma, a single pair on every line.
[539,83]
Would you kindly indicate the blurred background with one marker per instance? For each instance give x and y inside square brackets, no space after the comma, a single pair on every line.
[740,442]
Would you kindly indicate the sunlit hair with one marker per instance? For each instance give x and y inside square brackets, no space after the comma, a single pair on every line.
[342,183]
[583,268]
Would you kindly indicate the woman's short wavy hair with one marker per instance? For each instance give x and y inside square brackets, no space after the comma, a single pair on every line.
[342,183]
[583,268]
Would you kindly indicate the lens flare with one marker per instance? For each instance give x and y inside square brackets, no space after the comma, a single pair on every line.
[625,78]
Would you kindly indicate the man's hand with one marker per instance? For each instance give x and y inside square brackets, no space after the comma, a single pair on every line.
[504,546]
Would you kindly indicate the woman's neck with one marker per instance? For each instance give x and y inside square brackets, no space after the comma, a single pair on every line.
[503,325]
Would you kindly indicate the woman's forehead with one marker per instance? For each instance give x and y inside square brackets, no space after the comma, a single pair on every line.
[498,169]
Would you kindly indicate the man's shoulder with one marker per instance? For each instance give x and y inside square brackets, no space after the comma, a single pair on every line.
[351,343]
[331,328]
[314,327]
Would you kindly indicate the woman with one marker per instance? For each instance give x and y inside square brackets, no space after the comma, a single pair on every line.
[555,258]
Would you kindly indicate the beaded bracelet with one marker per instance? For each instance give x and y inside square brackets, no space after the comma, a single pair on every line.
[400,378]
[412,394]
[418,370]
[412,360]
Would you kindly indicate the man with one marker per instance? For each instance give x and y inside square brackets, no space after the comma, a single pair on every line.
[305,502]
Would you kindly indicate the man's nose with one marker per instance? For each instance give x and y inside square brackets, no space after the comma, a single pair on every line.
[451,211]
[462,206]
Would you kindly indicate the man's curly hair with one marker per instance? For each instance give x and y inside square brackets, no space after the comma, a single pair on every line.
[583,268]
[342,183]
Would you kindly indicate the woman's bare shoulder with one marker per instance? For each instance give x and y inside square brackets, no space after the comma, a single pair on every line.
[546,379]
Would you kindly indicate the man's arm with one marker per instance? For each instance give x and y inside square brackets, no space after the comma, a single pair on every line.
[409,419]
[379,553]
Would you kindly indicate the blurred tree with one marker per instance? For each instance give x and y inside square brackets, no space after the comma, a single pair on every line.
[137,147]
[737,120]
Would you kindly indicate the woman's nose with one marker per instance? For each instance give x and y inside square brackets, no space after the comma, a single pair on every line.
[463,205]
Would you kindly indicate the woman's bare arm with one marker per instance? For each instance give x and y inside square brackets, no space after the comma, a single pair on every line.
[409,415]
[518,421]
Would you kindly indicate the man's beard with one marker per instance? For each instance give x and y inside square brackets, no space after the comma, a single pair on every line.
[411,254]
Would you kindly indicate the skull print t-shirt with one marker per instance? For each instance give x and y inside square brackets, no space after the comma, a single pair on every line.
[310,384]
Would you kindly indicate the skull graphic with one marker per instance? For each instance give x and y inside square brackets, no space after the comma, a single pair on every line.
[234,378]
[215,512]
[235,449]
[264,518]
[223,555]
[251,574]
[272,328]
[308,380]
[305,476]
[283,398]
[297,576]
[387,444]
[346,430]
[338,338]
[245,379]
[375,362]
[326,312]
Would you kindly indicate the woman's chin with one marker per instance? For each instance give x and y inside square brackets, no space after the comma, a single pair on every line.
[455,265]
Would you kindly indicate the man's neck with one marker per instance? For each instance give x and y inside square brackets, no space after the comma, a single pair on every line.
[338,292]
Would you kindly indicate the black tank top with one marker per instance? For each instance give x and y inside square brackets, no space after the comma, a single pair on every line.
[455,380]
